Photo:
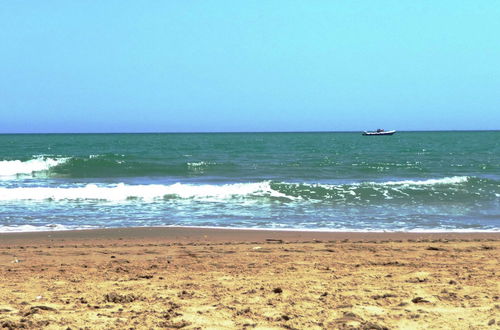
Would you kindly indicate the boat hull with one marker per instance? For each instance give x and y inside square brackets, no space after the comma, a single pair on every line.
[378,133]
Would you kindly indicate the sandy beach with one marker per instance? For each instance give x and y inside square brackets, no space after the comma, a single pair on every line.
[192,278]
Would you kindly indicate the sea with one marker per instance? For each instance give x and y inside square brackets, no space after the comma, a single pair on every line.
[411,181]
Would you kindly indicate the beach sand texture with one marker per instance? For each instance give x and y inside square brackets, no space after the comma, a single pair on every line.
[235,279]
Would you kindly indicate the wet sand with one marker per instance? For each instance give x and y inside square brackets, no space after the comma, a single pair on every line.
[211,278]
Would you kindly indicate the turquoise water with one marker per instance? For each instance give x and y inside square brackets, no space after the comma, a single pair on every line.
[411,181]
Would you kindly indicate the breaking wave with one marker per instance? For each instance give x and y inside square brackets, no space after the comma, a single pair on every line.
[454,189]
[108,166]
[32,167]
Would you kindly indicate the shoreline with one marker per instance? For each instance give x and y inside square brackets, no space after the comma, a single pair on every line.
[211,234]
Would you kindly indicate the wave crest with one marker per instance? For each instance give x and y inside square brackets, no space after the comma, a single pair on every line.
[13,168]
[446,189]
[123,191]
[448,180]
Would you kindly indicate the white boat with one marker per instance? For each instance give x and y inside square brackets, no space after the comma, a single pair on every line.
[379,132]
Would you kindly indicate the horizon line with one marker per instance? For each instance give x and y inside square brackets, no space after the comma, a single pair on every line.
[241,132]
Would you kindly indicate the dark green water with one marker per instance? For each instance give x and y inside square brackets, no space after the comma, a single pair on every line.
[329,181]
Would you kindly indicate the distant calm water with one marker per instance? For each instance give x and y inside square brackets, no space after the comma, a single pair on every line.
[419,181]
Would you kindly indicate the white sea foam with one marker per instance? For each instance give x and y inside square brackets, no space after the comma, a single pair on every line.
[428,182]
[122,192]
[31,228]
[59,227]
[200,164]
[447,180]
[12,168]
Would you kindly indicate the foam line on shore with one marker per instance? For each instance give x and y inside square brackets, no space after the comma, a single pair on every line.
[58,227]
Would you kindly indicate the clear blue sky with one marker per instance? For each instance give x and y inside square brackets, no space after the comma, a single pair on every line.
[141,66]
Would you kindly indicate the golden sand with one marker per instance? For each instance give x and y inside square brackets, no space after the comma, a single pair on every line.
[209,279]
